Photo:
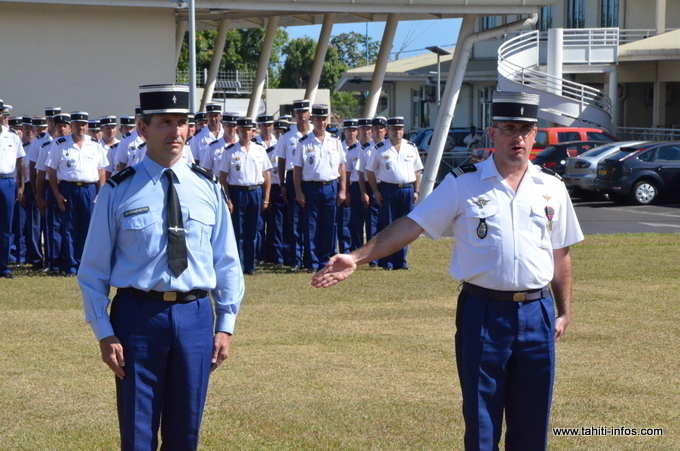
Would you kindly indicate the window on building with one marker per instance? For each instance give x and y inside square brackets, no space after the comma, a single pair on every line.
[487,22]
[609,14]
[545,18]
[576,16]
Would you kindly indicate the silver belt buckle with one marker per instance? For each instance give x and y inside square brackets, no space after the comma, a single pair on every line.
[170,296]
[519,297]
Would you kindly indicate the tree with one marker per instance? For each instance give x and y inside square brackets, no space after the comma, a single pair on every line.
[351,49]
[298,65]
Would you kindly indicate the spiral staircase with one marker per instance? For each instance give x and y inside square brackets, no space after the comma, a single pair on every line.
[521,67]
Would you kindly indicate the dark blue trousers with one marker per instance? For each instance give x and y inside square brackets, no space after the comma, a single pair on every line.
[245,219]
[18,253]
[8,189]
[32,229]
[53,220]
[396,202]
[505,353]
[318,219]
[293,233]
[75,223]
[168,351]
[273,243]
[344,239]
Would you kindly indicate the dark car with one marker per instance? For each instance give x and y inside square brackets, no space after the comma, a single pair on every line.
[554,157]
[641,173]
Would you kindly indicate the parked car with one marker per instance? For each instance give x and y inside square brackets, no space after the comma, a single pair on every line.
[641,173]
[580,172]
[454,142]
[553,135]
[553,157]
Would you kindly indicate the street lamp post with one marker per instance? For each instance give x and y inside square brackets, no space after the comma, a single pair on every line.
[439,52]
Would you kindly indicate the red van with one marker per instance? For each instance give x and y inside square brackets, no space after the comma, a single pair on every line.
[552,135]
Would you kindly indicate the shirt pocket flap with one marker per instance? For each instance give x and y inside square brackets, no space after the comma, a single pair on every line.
[138,222]
[203,216]
[483,212]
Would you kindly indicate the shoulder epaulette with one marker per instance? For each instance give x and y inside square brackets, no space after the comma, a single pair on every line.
[551,172]
[380,144]
[213,142]
[365,145]
[113,146]
[189,139]
[142,145]
[303,138]
[352,146]
[26,144]
[258,143]
[13,131]
[460,170]
[122,175]
[410,143]
[41,135]
[254,140]
[61,140]
[230,146]
[46,143]
[203,172]
[270,148]
[127,134]
[94,139]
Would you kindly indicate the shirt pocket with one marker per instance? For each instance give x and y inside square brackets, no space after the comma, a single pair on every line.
[143,233]
[483,225]
[199,229]
[540,232]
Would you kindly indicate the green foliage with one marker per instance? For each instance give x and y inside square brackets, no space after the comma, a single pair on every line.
[346,104]
[298,65]
[351,49]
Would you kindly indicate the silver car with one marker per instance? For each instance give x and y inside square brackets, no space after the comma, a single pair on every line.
[579,172]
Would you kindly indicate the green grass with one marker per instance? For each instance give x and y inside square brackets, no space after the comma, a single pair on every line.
[365,365]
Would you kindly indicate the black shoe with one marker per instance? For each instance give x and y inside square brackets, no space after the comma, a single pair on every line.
[7,275]
[404,267]
[53,272]
[372,265]
[311,270]
[387,268]
[37,267]
[294,268]
[250,273]
[69,274]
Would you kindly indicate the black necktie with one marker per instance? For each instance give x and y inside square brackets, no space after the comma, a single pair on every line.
[177,245]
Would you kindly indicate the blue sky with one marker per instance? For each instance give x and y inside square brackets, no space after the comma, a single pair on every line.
[411,38]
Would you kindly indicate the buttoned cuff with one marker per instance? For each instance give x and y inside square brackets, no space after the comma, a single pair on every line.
[102,328]
[225,323]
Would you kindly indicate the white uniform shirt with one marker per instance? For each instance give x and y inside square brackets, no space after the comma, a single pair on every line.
[10,149]
[352,154]
[77,164]
[515,252]
[212,156]
[34,150]
[201,140]
[391,166]
[273,174]
[285,147]
[44,156]
[110,154]
[126,149]
[319,160]
[245,167]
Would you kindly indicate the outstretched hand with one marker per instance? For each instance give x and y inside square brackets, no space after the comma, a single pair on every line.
[338,268]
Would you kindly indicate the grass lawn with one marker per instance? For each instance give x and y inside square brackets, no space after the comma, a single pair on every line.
[365,365]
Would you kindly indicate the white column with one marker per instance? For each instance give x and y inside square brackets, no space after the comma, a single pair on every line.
[448,104]
[263,65]
[381,65]
[613,94]
[180,31]
[215,63]
[660,16]
[555,59]
[319,57]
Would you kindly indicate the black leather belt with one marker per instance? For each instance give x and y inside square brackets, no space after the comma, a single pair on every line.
[78,183]
[322,182]
[398,185]
[169,296]
[244,188]
[513,296]
[6,176]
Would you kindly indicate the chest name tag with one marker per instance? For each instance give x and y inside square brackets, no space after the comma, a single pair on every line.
[482,229]
[136,211]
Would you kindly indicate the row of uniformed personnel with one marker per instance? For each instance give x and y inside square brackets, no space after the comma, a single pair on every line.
[340,197]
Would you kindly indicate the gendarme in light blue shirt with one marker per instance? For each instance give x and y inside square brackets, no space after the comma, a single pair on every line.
[127,244]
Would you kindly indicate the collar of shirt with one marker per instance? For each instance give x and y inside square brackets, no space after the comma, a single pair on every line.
[488,169]
[155,171]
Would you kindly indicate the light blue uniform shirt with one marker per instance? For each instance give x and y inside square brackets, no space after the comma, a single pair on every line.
[127,244]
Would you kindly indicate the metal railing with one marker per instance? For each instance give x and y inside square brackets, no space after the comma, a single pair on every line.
[229,81]
[648,134]
[514,65]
